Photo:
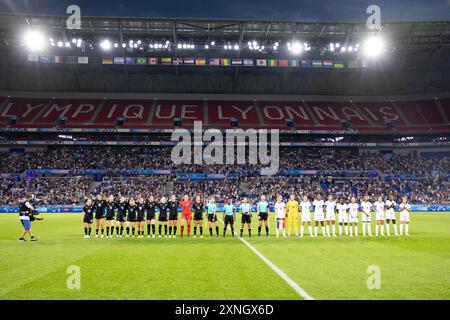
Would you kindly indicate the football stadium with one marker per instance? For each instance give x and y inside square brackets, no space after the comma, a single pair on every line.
[213,159]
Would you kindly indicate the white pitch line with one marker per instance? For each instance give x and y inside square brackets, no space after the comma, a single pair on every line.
[277,270]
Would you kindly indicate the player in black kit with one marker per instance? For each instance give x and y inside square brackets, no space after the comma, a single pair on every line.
[141,210]
[99,209]
[173,216]
[122,210]
[163,217]
[198,208]
[132,217]
[151,216]
[110,212]
[88,218]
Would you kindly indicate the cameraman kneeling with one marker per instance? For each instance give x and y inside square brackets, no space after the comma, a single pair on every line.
[27,213]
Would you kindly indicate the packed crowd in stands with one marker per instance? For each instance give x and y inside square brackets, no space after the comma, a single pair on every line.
[75,191]
[430,186]
[159,158]
[49,191]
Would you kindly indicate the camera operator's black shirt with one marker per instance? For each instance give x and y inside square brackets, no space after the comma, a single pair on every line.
[24,211]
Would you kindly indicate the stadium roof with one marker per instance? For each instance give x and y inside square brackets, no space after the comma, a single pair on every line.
[403,34]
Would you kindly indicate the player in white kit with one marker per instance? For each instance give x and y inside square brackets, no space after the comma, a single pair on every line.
[305,206]
[366,219]
[405,210]
[353,215]
[379,206]
[280,216]
[330,215]
[342,216]
[390,215]
[319,216]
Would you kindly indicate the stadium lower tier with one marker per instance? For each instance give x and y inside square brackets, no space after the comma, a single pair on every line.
[367,117]
[75,190]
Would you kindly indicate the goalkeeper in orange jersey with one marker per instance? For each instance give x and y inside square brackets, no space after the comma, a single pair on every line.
[292,215]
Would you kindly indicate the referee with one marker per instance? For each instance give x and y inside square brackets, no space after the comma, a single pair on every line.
[26,212]
[229,215]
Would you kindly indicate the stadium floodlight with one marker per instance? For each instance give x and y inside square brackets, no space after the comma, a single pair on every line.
[106,45]
[124,45]
[60,44]
[374,47]
[236,47]
[206,46]
[67,44]
[213,43]
[295,47]
[34,40]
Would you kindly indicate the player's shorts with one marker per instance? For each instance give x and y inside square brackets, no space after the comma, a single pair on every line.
[120,218]
[330,216]
[109,217]
[246,218]
[131,218]
[343,218]
[198,216]
[404,216]
[27,224]
[140,218]
[380,216]
[88,218]
[390,215]
[263,216]
[186,216]
[319,217]
[212,218]
[162,218]
[306,217]
[229,220]
[173,216]
[365,218]
[353,219]
[99,215]
[151,216]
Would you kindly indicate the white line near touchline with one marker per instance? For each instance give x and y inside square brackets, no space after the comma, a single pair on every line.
[288,280]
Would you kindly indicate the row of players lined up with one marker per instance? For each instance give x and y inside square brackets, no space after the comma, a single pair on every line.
[136,215]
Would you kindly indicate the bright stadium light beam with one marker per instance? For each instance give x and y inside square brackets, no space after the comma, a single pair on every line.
[34,40]
[296,47]
[106,45]
[373,47]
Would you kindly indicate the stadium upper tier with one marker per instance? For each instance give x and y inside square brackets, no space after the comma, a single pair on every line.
[407,116]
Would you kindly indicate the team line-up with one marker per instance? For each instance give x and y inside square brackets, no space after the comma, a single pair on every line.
[134,216]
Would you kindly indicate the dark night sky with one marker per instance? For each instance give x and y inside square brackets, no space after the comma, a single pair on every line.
[301,10]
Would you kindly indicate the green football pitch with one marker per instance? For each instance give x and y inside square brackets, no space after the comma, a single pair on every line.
[415,267]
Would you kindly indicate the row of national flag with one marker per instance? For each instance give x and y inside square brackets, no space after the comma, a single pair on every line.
[336,64]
